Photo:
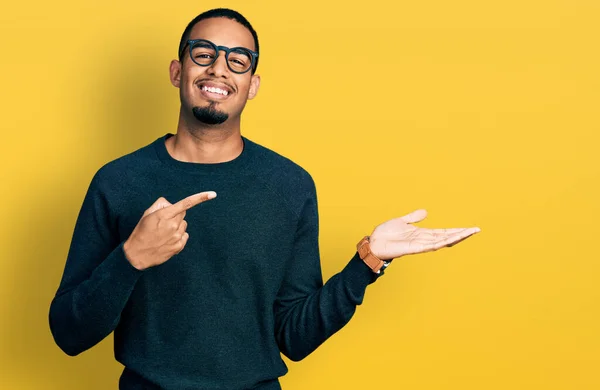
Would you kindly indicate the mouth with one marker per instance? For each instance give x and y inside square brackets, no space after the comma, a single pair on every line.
[215,91]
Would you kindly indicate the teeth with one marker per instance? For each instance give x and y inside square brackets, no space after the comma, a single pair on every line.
[215,90]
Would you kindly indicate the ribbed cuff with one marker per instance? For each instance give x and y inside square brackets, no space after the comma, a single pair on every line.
[119,269]
[358,275]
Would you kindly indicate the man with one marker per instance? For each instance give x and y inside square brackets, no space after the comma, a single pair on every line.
[207,291]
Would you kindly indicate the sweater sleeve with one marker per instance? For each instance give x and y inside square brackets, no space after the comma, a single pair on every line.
[308,312]
[97,280]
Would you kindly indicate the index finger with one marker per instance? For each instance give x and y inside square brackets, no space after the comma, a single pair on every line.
[187,203]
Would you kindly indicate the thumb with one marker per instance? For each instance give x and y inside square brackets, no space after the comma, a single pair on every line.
[157,205]
[415,216]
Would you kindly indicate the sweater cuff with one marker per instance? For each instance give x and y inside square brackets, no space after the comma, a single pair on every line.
[118,269]
[359,274]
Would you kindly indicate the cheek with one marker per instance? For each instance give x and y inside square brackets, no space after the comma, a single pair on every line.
[243,89]
[188,76]
[243,93]
[187,81]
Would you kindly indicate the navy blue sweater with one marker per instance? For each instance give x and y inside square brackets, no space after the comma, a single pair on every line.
[246,287]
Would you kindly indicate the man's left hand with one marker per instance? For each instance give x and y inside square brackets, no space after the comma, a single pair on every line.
[398,237]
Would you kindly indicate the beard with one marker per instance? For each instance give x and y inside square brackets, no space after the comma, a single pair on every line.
[210,115]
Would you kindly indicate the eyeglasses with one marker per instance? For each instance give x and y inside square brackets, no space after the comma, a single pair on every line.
[204,53]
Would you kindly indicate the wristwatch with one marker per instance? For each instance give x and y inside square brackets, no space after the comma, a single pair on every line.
[372,261]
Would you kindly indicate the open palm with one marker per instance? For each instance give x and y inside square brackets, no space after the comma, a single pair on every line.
[397,237]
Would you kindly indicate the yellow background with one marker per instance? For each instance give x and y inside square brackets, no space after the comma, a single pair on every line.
[484,113]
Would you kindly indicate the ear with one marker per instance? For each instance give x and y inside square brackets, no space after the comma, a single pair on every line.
[175,73]
[254,84]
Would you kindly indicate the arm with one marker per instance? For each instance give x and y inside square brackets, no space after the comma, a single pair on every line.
[97,280]
[307,312]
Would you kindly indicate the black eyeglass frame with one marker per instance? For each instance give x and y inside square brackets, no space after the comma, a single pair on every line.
[227,50]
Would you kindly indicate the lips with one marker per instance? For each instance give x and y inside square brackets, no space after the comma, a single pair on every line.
[215,90]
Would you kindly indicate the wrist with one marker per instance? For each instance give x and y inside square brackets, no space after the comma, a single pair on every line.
[368,257]
[131,258]
[377,246]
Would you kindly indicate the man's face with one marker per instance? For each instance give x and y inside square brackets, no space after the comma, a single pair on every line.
[193,80]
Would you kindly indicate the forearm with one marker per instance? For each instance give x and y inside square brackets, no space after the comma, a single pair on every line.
[84,314]
[305,323]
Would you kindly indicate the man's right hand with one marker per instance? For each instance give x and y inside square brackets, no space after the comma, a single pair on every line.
[160,234]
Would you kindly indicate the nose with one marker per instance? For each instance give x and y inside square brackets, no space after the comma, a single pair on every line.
[219,67]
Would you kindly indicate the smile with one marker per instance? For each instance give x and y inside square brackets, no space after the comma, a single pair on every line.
[215,90]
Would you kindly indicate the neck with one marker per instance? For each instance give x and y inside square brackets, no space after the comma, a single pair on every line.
[199,143]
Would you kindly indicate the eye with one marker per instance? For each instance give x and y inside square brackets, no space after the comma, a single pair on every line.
[239,58]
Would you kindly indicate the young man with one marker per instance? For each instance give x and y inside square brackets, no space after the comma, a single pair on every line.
[207,291]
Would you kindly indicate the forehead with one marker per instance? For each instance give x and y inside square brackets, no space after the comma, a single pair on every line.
[223,32]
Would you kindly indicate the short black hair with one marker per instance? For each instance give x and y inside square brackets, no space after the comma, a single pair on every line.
[218,13]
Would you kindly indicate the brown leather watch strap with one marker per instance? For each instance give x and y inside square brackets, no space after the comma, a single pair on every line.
[364,251]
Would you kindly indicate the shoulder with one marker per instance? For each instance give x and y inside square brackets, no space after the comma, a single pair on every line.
[281,172]
[122,170]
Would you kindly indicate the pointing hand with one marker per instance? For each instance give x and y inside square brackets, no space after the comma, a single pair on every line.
[161,232]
